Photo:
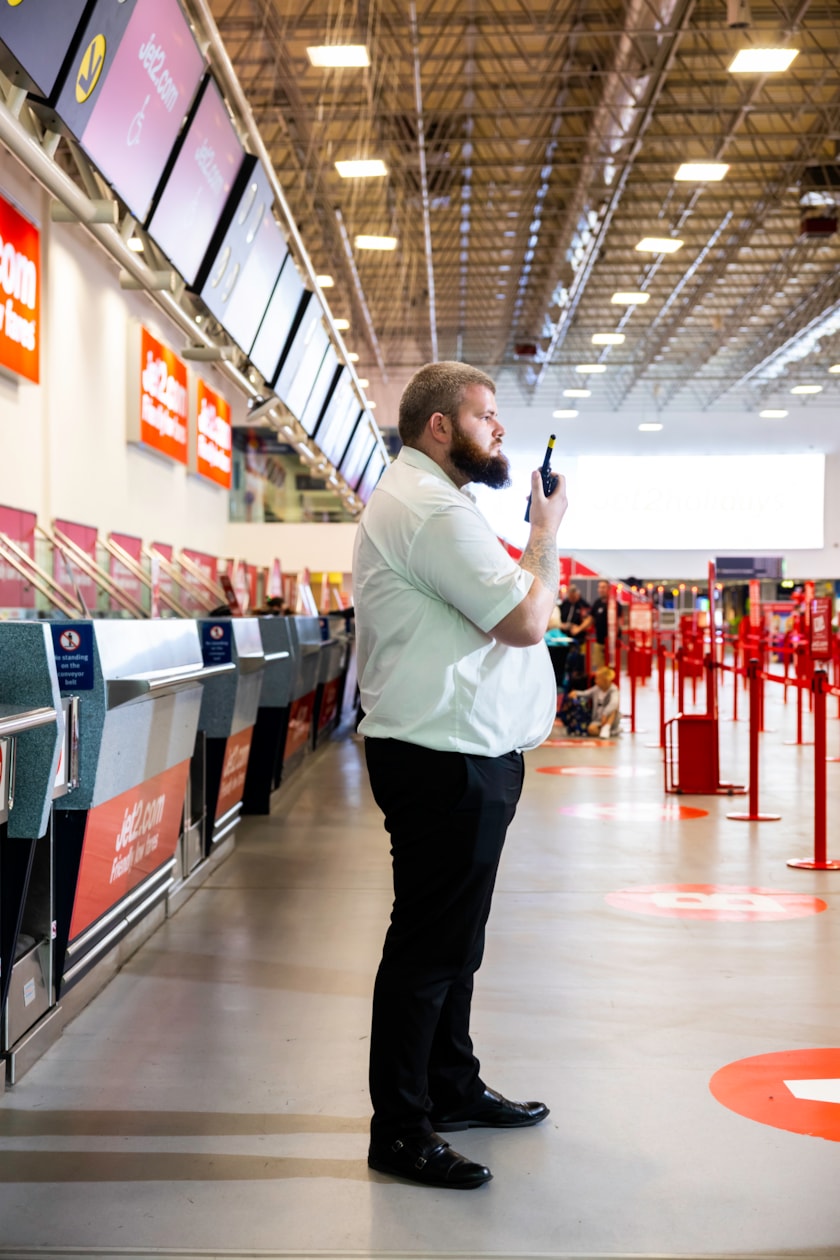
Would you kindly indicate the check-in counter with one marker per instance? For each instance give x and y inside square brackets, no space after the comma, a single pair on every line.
[139,685]
[32,748]
[305,635]
[265,764]
[331,675]
[228,717]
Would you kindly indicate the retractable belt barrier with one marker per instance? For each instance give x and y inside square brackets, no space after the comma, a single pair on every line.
[693,737]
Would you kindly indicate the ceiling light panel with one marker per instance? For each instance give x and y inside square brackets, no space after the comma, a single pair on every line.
[332,56]
[375,242]
[763,60]
[590,369]
[629,298]
[608,339]
[361,168]
[701,172]
[659,245]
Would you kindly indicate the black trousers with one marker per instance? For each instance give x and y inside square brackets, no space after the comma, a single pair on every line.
[447,814]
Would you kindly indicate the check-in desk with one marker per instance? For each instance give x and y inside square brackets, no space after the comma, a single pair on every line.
[265,764]
[33,769]
[228,717]
[307,643]
[331,675]
[139,685]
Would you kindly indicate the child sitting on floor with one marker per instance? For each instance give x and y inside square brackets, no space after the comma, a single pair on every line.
[594,711]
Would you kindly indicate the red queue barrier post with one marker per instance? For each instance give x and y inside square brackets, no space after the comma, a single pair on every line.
[820,860]
[680,680]
[753,814]
[800,687]
[736,665]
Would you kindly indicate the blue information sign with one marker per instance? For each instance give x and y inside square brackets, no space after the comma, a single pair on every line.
[216,639]
[73,646]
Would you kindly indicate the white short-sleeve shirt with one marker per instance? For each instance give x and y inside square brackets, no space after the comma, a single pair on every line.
[430,579]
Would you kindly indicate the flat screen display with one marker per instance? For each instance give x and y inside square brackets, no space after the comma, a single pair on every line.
[358,453]
[241,277]
[128,90]
[278,320]
[302,361]
[35,38]
[198,185]
[321,391]
[339,420]
[375,468]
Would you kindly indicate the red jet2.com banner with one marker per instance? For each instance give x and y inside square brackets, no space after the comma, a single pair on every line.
[234,769]
[20,293]
[163,399]
[126,839]
[214,442]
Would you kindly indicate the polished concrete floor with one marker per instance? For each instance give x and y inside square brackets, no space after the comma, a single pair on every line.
[212,1100]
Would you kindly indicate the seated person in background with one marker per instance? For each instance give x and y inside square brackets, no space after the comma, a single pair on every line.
[594,711]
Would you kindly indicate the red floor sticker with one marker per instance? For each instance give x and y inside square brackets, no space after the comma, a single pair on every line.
[797,1090]
[601,772]
[633,811]
[716,901]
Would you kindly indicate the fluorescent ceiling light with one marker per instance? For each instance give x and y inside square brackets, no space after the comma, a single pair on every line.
[608,339]
[762,60]
[372,406]
[577,393]
[353,357]
[702,172]
[135,245]
[562,414]
[649,428]
[586,368]
[325,282]
[659,245]
[328,56]
[807,389]
[773,413]
[375,242]
[363,382]
[361,168]
[630,299]
[835,368]
[342,324]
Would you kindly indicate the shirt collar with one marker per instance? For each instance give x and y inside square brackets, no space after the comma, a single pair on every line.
[417,459]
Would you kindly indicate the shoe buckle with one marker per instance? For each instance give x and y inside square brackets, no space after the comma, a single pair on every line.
[398,1145]
[421,1163]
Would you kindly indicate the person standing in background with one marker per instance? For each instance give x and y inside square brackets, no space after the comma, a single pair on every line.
[599,613]
[455,683]
[574,615]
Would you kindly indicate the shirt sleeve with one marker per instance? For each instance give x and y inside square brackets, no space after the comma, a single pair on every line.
[456,557]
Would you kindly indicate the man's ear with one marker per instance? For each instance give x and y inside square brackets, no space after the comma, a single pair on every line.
[439,427]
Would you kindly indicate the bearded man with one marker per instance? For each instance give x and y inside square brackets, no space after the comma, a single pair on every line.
[455,683]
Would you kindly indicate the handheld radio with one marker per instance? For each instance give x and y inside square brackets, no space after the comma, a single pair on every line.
[549,479]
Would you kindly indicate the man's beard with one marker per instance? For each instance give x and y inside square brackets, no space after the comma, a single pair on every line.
[469,458]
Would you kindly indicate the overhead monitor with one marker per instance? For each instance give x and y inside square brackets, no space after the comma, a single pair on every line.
[376,466]
[302,361]
[339,421]
[358,453]
[278,321]
[37,37]
[321,391]
[128,90]
[198,184]
[239,279]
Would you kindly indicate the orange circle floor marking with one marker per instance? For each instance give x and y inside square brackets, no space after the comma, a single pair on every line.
[600,772]
[633,811]
[735,903]
[797,1090]
[578,743]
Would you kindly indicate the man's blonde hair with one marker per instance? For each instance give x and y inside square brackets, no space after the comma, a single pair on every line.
[605,675]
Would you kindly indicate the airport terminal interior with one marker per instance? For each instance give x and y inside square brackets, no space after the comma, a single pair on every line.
[230,232]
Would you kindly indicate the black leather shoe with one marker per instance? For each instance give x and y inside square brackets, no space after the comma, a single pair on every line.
[429,1160]
[492,1111]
